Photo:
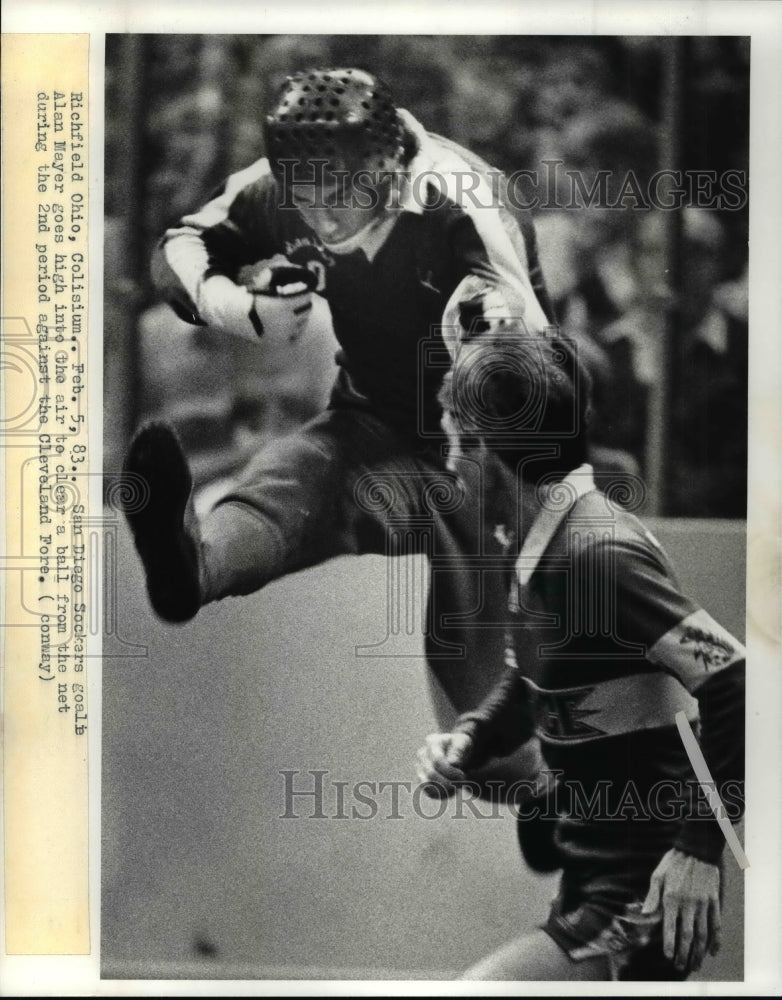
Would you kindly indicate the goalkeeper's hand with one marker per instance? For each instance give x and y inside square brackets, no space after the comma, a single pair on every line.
[277,304]
[440,763]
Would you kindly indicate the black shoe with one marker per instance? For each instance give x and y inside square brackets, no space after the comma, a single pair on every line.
[164,527]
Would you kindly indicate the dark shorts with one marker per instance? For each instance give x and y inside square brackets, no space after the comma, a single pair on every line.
[606,871]
[630,941]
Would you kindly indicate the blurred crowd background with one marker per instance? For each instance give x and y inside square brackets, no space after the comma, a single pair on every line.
[656,300]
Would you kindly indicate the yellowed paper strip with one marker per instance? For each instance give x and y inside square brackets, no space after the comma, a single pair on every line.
[46,459]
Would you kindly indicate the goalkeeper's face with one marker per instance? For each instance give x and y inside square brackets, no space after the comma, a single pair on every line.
[332,217]
[338,203]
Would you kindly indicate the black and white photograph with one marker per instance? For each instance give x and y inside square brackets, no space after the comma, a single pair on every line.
[391,422]
[425,435]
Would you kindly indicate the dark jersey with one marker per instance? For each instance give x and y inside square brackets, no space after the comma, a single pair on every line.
[392,290]
[603,651]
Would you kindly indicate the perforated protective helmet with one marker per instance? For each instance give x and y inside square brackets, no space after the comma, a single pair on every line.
[338,115]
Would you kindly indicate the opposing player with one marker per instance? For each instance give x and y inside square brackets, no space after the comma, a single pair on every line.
[405,235]
[603,651]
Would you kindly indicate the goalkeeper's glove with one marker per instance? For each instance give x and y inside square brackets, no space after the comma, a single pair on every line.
[277,303]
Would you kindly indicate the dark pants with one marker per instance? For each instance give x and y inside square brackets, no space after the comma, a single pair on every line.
[348,483]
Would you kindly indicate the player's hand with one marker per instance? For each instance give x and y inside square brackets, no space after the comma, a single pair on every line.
[282,300]
[278,304]
[440,763]
[689,892]
[226,307]
[486,312]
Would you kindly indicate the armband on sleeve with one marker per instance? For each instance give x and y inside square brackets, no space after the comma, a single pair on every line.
[696,648]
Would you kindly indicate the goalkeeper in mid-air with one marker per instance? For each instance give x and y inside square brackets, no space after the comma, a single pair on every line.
[407,237]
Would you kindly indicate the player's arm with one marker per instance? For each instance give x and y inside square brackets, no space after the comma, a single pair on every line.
[199,264]
[686,883]
[682,639]
[500,724]
[537,279]
[491,265]
[685,641]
